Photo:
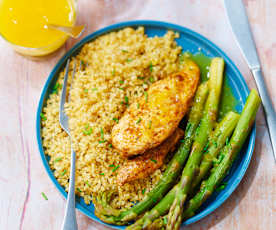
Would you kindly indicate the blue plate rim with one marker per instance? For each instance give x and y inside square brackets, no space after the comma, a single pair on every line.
[145,23]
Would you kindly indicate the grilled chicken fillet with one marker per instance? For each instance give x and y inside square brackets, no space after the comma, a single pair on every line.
[144,165]
[161,108]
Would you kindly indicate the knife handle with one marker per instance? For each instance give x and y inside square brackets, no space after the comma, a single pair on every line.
[270,113]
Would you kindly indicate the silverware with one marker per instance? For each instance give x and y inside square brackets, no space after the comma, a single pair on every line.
[69,221]
[238,19]
[72,31]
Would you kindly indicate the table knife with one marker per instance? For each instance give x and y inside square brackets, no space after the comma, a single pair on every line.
[240,26]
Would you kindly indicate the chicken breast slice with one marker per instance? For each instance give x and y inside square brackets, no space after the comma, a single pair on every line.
[142,166]
[159,112]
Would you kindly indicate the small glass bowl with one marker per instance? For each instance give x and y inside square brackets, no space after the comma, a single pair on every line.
[44,50]
[39,51]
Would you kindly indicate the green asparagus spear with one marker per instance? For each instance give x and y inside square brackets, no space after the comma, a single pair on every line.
[230,152]
[164,205]
[160,209]
[205,128]
[159,223]
[176,164]
[170,175]
[211,153]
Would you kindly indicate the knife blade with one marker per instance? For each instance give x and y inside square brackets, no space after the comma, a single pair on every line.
[238,19]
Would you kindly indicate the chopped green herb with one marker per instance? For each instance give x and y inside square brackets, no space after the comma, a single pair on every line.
[141,78]
[111,166]
[87,130]
[121,88]
[150,122]
[154,161]
[115,119]
[44,196]
[145,83]
[126,99]
[56,87]
[221,186]
[206,147]
[86,90]
[63,173]
[125,102]
[227,141]
[218,160]
[102,141]
[138,105]
[102,133]
[114,169]
[121,82]
[215,144]
[124,51]
[139,120]
[86,182]
[150,67]
[94,89]
[101,174]
[146,96]
[143,191]
[165,220]
[110,146]
[182,141]
[58,159]
[129,60]
[43,117]
[78,190]
[151,79]
[82,62]
[113,72]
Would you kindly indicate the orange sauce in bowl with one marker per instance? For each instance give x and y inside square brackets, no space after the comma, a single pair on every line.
[23,23]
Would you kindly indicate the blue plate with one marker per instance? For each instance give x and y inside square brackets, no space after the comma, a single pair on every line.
[190,41]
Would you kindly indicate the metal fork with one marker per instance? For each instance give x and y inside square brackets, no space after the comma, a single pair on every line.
[69,221]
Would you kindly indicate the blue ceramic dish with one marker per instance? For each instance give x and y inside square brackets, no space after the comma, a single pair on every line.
[190,41]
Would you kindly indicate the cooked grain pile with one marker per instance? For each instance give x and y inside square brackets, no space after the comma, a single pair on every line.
[112,71]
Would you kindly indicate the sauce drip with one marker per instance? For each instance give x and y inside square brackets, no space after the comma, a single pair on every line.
[227,102]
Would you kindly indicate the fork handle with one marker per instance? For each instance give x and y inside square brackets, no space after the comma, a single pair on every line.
[70,221]
[270,113]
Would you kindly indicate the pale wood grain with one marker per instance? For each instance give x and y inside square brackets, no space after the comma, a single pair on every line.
[22,176]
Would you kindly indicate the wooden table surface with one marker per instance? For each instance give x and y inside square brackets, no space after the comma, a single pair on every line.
[22,176]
